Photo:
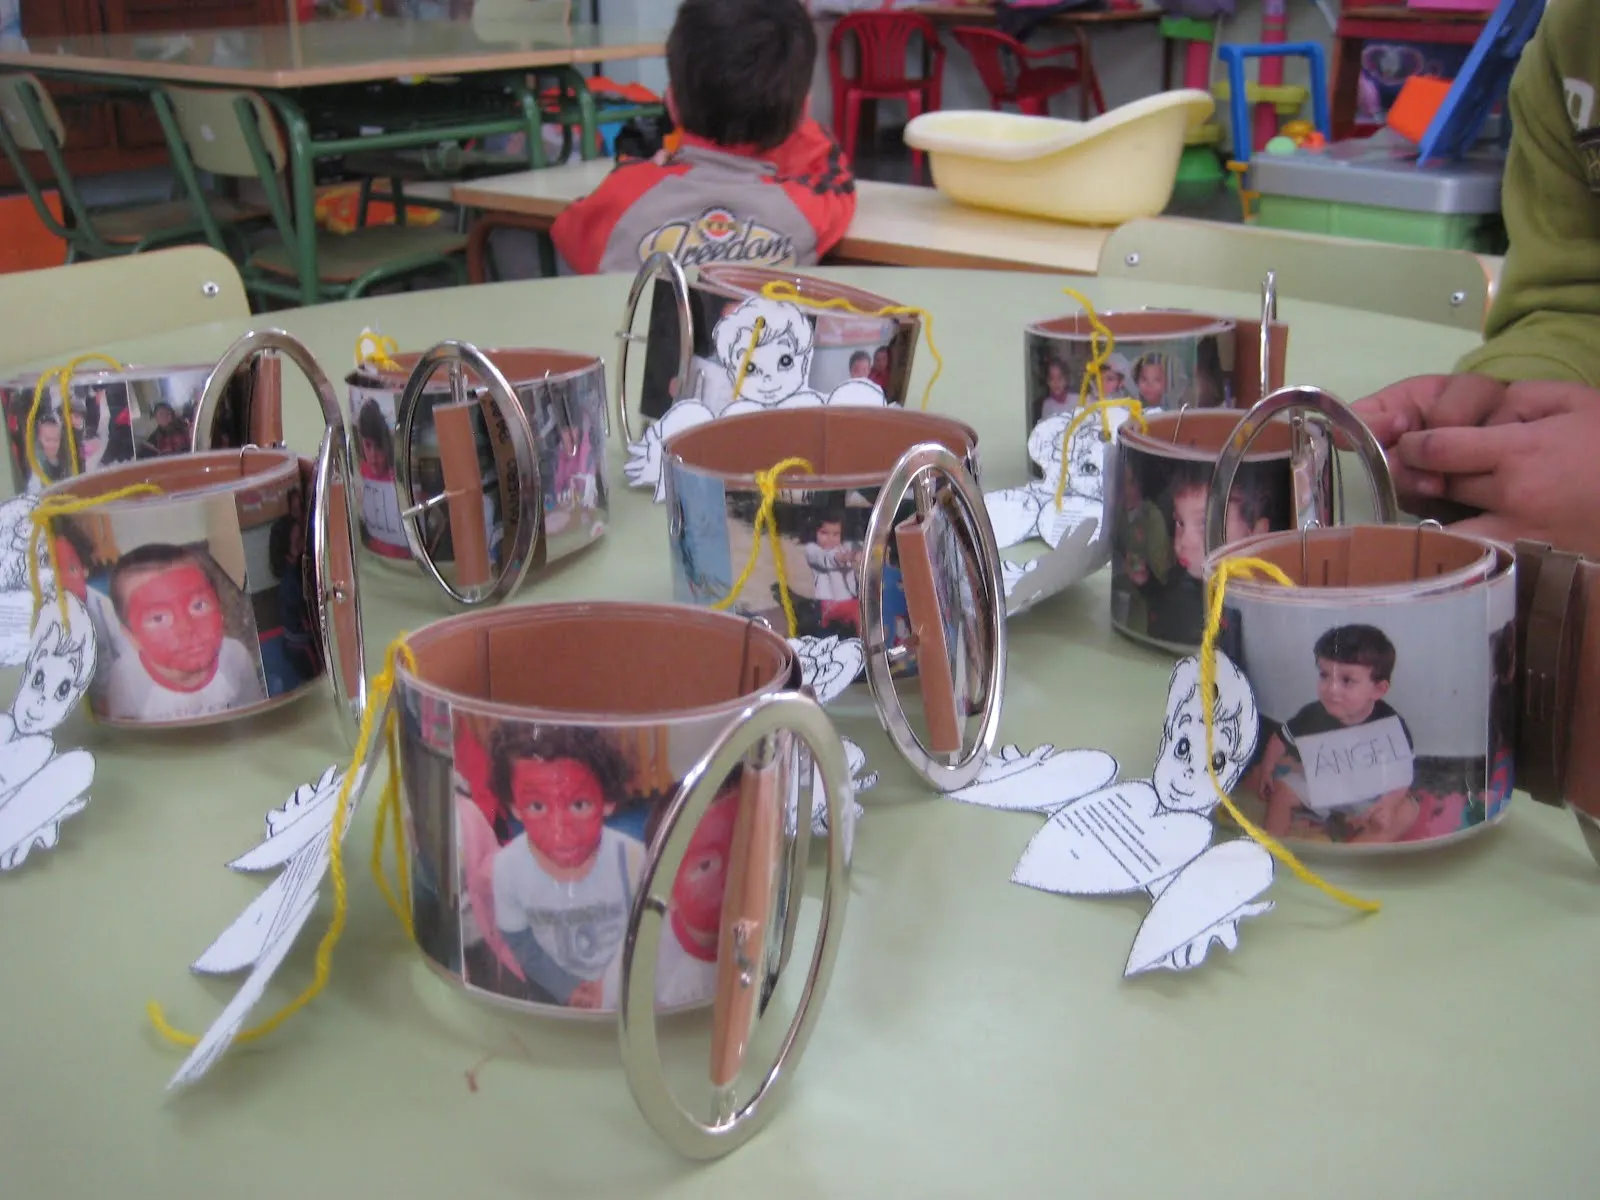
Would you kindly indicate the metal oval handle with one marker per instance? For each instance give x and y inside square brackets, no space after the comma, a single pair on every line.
[1269,314]
[730,1127]
[244,352]
[659,265]
[1297,399]
[333,468]
[931,457]
[527,524]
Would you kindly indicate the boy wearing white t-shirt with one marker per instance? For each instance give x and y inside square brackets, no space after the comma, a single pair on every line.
[180,664]
[562,890]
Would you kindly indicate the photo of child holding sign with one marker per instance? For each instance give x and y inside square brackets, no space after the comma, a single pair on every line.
[1360,750]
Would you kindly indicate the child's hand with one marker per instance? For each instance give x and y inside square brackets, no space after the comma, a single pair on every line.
[1264,783]
[586,994]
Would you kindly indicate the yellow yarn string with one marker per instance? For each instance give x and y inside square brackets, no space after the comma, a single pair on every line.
[1084,412]
[47,510]
[767,481]
[1244,568]
[1101,343]
[377,702]
[389,818]
[756,331]
[63,377]
[374,349]
[783,290]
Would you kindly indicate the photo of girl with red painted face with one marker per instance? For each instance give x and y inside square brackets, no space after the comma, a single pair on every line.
[175,608]
[562,885]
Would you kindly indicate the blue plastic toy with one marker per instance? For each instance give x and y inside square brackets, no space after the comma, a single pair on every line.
[1234,55]
[1482,81]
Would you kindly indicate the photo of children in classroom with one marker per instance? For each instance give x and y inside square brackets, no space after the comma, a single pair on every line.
[1157,514]
[1378,725]
[276,539]
[1161,373]
[569,425]
[822,535]
[553,823]
[181,629]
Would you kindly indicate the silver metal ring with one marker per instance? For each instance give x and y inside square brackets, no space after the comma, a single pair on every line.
[931,457]
[333,470]
[526,525]
[1299,400]
[658,266]
[244,352]
[1269,314]
[729,1128]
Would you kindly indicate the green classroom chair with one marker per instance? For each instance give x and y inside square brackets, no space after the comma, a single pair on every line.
[232,134]
[30,122]
[1442,287]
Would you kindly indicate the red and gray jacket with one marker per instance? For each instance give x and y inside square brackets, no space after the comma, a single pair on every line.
[709,204]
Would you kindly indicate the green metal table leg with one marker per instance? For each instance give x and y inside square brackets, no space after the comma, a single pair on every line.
[302,183]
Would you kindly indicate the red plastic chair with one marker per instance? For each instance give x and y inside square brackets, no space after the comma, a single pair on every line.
[883,42]
[1006,68]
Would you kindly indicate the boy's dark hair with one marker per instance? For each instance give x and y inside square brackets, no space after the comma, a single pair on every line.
[163,404]
[740,70]
[514,741]
[1249,491]
[152,556]
[1358,646]
[860,356]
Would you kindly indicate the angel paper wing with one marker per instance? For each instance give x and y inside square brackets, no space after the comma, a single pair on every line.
[1075,557]
[1055,524]
[644,468]
[1203,906]
[1042,780]
[299,821]
[829,665]
[1111,842]
[16,624]
[1014,513]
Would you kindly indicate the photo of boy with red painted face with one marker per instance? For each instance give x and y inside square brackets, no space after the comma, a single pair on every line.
[563,885]
[181,662]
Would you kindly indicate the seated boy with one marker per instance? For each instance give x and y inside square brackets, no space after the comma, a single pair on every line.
[1355,664]
[563,889]
[1514,431]
[755,182]
[179,663]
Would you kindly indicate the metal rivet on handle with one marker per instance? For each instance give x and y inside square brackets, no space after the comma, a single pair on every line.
[210,290]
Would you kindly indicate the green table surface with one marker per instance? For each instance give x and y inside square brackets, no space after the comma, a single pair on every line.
[977,1035]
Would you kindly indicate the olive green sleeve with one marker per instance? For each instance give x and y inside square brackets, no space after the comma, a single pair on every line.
[1545,321]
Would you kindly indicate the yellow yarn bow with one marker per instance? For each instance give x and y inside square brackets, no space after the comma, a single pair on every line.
[62,377]
[784,291]
[376,350]
[41,544]
[1244,568]
[1101,343]
[377,704]
[767,521]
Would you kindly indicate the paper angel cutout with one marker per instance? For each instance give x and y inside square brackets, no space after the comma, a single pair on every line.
[829,665]
[861,780]
[1154,835]
[1073,560]
[1041,780]
[775,358]
[298,837]
[16,594]
[40,788]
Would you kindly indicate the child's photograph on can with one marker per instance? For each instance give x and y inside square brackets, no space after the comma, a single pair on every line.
[1378,719]
[277,548]
[374,417]
[430,794]
[183,632]
[1157,514]
[553,822]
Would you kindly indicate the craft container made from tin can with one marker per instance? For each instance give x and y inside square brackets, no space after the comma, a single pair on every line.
[564,396]
[231,589]
[1165,360]
[614,834]
[108,417]
[822,343]
[885,538]
[1386,682]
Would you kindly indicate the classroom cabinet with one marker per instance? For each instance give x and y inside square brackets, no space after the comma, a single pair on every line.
[104,133]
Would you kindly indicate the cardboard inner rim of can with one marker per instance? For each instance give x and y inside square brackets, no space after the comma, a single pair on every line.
[520,367]
[184,475]
[1360,556]
[849,447]
[1201,434]
[748,281]
[599,660]
[1134,326]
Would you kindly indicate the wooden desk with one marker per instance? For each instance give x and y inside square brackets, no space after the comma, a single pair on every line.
[896,224]
[984,14]
[282,58]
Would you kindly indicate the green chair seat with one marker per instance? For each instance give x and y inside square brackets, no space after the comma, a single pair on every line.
[344,258]
[145,222]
